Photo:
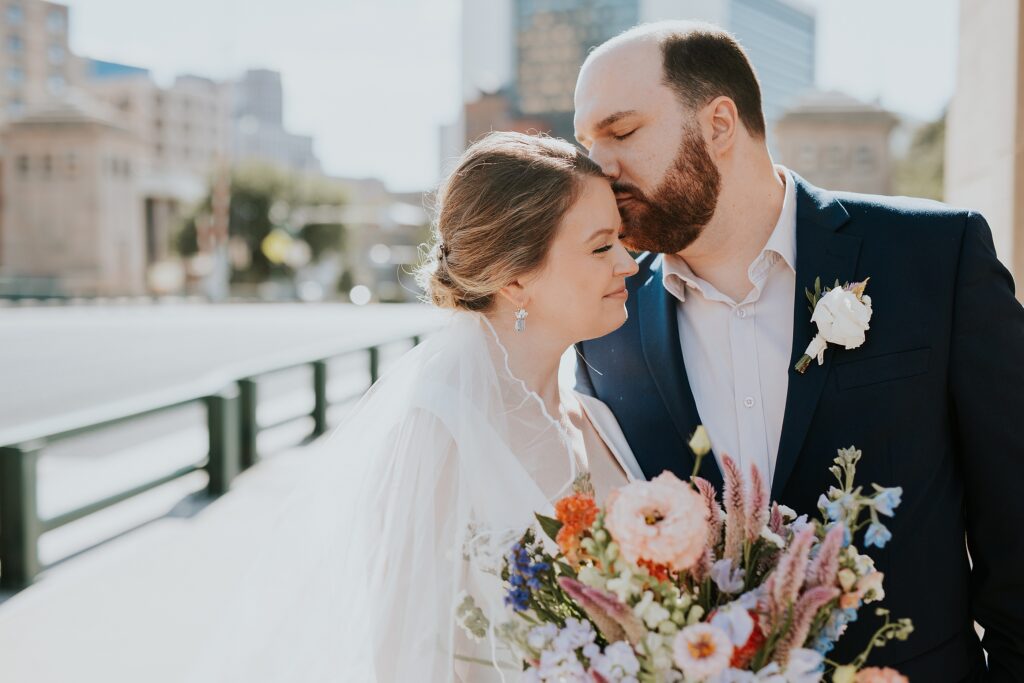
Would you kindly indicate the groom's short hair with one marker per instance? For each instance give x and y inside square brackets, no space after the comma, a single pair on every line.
[701,62]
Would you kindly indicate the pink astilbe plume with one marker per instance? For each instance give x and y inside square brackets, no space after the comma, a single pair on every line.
[613,618]
[702,569]
[775,519]
[806,609]
[788,578]
[757,505]
[825,566]
[715,514]
[735,509]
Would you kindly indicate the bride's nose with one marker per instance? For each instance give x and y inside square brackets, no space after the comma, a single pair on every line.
[625,265]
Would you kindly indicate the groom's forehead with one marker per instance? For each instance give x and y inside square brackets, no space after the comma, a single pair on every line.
[622,79]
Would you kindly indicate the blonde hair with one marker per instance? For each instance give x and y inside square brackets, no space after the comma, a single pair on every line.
[498,214]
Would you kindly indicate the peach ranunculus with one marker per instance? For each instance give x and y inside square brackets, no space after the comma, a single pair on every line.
[663,521]
[875,675]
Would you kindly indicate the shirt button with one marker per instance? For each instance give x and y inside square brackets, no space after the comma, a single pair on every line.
[748,402]
[741,312]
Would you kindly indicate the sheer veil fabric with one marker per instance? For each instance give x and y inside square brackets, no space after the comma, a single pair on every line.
[410,504]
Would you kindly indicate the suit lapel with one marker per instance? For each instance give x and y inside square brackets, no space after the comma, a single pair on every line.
[659,338]
[822,252]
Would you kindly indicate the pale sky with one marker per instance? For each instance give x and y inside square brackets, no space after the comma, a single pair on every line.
[373,80]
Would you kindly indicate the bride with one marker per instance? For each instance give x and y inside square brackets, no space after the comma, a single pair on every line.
[420,493]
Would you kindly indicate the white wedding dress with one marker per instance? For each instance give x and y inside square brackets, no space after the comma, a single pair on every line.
[412,505]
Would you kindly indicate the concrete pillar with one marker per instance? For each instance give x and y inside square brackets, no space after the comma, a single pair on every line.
[985,128]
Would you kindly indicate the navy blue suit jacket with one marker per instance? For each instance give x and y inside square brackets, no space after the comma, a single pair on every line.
[934,398]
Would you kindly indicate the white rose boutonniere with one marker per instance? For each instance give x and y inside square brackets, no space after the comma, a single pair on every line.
[842,315]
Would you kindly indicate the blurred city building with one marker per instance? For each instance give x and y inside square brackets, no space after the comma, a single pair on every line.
[35,60]
[259,132]
[985,127]
[838,142]
[71,179]
[103,166]
[525,55]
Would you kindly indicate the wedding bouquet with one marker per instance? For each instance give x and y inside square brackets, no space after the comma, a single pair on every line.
[663,585]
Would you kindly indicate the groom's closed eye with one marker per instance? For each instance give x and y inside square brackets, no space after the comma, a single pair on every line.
[623,136]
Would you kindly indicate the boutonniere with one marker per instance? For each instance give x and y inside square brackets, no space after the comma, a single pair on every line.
[841,313]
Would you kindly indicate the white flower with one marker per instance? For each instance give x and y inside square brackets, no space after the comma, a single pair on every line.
[728,579]
[592,577]
[623,586]
[804,666]
[816,349]
[564,667]
[702,651]
[787,512]
[736,622]
[842,317]
[575,635]
[772,537]
[618,664]
[540,636]
[651,612]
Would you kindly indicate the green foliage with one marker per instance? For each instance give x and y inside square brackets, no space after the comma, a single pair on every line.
[920,173]
[266,198]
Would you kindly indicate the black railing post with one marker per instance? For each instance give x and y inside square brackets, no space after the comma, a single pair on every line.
[374,364]
[20,526]
[319,397]
[224,460]
[249,426]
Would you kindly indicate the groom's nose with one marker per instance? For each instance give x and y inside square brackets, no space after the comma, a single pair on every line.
[604,158]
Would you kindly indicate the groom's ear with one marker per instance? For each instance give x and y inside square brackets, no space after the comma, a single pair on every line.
[724,121]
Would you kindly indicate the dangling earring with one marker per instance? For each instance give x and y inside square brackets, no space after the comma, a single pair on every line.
[521,320]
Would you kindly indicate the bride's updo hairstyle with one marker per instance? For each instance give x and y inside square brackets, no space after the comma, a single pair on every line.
[498,213]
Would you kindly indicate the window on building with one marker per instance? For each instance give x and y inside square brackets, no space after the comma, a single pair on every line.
[71,164]
[864,158]
[835,158]
[15,75]
[56,54]
[47,165]
[15,45]
[55,21]
[22,165]
[807,158]
[15,14]
[55,84]
[15,107]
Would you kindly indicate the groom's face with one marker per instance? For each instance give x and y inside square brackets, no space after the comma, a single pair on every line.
[653,150]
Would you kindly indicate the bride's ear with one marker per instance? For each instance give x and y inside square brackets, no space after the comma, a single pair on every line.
[515,293]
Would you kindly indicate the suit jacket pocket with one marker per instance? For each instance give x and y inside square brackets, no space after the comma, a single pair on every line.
[884,368]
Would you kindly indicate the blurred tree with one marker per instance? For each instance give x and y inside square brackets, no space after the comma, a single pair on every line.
[920,172]
[281,218]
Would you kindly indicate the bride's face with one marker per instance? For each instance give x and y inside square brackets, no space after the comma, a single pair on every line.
[581,289]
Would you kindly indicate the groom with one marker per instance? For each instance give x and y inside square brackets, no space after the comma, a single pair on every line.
[718,318]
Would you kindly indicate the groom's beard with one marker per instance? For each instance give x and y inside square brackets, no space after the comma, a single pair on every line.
[676,212]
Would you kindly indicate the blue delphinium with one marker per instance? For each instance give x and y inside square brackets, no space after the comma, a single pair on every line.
[877,535]
[522,577]
[887,500]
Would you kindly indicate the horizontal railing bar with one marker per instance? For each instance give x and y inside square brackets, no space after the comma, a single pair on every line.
[86,510]
[284,421]
[64,426]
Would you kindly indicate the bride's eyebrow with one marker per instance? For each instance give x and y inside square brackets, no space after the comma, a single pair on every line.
[600,233]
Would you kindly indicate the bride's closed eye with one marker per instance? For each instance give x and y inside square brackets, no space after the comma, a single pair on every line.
[608,247]
[622,137]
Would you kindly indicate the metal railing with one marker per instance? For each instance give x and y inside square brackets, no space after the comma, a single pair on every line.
[230,400]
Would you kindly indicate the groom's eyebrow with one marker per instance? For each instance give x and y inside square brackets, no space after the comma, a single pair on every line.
[609,121]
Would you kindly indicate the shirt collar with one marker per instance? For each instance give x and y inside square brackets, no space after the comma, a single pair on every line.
[676,273]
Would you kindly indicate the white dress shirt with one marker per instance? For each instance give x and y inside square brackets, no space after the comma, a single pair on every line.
[737,353]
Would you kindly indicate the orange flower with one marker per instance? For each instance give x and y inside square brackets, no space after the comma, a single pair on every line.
[576,513]
[657,571]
